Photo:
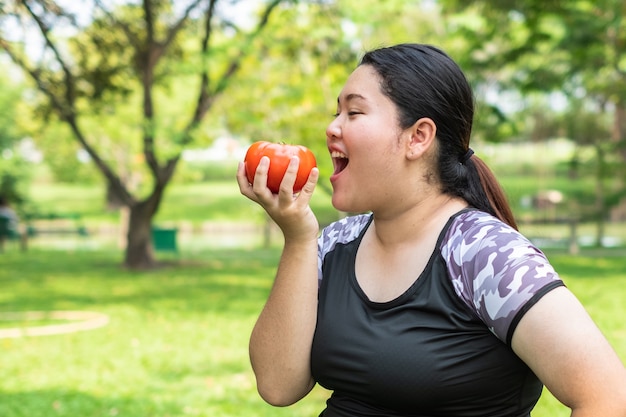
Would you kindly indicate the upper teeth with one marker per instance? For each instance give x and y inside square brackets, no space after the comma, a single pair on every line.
[337,154]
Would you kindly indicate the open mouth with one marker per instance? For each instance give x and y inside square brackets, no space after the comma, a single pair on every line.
[340,161]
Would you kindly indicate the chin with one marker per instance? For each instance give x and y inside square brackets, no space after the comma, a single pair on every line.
[340,203]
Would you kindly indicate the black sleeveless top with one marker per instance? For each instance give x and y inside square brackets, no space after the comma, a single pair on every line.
[428,352]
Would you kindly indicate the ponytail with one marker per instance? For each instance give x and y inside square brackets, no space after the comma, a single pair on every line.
[485,193]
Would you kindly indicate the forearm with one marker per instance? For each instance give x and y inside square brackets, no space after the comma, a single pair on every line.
[280,345]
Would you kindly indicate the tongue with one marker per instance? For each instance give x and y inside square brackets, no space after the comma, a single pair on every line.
[340,165]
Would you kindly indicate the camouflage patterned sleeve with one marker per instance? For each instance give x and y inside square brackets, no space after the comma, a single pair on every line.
[496,271]
[342,231]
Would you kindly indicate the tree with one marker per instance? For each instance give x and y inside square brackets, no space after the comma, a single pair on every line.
[301,66]
[13,168]
[571,50]
[119,51]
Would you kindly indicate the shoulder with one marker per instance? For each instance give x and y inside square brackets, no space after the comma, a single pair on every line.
[473,231]
[476,240]
[342,231]
[495,270]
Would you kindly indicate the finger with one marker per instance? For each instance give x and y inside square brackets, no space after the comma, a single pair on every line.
[304,196]
[289,179]
[259,184]
[311,182]
[242,179]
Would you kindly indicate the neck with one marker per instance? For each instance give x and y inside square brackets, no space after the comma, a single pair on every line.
[419,221]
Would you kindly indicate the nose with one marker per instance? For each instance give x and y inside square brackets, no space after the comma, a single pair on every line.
[333,130]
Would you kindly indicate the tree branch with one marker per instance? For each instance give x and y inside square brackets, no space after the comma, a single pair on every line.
[34,73]
[148,16]
[173,31]
[235,63]
[64,107]
[70,96]
[154,51]
[206,98]
[132,38]
[147,81]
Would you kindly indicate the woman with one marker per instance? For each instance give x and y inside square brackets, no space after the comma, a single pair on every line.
[431,304]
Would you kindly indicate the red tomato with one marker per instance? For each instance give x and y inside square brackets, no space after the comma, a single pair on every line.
[280,155]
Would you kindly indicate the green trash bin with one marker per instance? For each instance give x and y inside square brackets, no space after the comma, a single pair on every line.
[164,239]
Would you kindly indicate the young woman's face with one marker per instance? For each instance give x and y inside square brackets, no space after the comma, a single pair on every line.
[365,143]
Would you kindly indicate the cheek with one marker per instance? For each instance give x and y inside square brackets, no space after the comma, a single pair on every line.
[371,172]
[373,146]
[384,168]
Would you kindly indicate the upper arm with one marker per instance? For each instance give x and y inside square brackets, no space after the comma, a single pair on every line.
[559,341]
[496,271]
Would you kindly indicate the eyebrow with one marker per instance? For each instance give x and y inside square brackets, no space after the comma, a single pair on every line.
[353,96]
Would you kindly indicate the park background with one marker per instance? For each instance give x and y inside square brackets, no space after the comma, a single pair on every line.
[116,129]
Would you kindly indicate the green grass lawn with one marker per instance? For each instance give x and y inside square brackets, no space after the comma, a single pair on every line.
[175,345]
[176,342]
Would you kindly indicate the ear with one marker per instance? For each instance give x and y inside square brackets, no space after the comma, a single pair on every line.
[421,137]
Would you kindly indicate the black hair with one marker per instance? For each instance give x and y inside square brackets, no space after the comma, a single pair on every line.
[423,81]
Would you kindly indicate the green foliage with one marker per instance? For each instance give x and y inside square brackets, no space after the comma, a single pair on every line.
[10,95]
[287,88]
[126,57]
[129,81]
[15,178]
[572,51]
[570,47]
[11,179]
[556,69]
[62,156]
[14,174]
[105,75]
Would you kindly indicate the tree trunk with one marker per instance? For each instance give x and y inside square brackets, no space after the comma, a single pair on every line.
[600,195]
[619,139]
[619,127]
[113,201]
[139,250]
[574,249]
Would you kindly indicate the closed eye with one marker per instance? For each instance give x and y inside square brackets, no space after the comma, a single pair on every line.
[350,113]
